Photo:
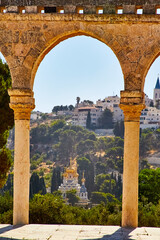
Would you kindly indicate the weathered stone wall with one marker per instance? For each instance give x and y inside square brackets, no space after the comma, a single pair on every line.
[26,39]
[90,6]
[77,2]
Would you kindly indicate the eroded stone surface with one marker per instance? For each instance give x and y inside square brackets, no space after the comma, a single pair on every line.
[26,39]
[79,232]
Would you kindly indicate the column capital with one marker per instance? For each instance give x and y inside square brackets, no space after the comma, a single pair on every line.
[22,102]
[132,112]
[132,97]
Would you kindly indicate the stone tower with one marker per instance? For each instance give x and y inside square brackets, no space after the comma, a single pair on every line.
[156,92]
[83,193]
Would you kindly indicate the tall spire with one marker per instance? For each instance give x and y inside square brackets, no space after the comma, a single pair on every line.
[157,83]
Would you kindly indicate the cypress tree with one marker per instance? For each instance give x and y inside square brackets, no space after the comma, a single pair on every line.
[42,186]
[88,121]
[37,185]
[56,179]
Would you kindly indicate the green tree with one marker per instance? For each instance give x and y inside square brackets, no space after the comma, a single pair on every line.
[108,186]
[39,134]
[5,164]
[71,107]
[100,178]
[147,142]
[87,146]
[149,181]
[6,121]
[72,197]
[56,179]
[115,153]
[56,109]
[66,147]
[85,165]
[98,197]
[46,209]
[106,120]
[8,187]
[143,163]
[119,129]
[78,100]
[88,121]
[37,185]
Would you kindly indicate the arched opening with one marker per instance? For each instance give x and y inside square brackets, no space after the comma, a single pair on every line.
[97,60]
[81,67]
[149,138]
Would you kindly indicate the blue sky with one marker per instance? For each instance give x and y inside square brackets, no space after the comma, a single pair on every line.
[85,67]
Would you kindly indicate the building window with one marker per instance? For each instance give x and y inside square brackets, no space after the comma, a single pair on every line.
[40,9]
[99,10]
[50,9]
[158,10]
[61,10]
[22,10]
[80,10]
[139,10]
[3,10]
[119,10]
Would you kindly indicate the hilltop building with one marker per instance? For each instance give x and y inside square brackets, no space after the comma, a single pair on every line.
[70,181]
[35,115]
[80,115]
[148,101]
[150,117]
[156,93]
[112,103]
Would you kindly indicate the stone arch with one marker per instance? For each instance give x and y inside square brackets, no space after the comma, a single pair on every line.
[66,35]
[148,59]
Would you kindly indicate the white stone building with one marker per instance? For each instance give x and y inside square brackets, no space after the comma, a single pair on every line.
[112,103]
[36,115]
[70,181]
[150,117]
[108,102]
[79,116]
[148,100]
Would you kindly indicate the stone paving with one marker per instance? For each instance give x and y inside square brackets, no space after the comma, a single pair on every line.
[76,232]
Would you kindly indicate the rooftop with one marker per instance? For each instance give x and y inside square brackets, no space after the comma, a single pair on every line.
[76,232]
[157,84]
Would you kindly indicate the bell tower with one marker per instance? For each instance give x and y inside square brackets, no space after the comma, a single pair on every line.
[156,93]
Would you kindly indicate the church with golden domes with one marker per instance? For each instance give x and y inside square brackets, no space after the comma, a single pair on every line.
[70,181]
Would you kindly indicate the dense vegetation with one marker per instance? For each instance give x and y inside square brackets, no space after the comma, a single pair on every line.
[6,122]
[101,159]
[51,209]
[57,142]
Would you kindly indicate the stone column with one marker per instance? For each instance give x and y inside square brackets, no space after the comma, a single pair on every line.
[132,107]
[22,102]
